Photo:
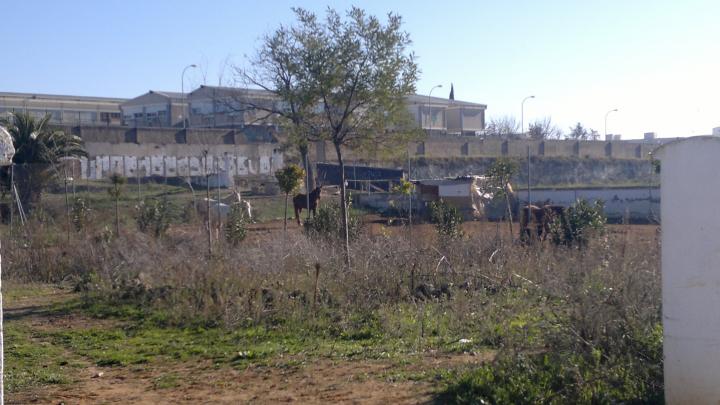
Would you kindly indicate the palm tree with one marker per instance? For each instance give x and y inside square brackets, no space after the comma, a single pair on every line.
[38,150]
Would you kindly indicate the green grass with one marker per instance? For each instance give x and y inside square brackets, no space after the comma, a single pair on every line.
[125,346]
[30,362]
[140,336]
[14,291]
[135,335]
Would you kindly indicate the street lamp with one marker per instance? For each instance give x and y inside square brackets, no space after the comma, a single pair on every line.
[522,115]
[606,115]
[182,89]
[428,104]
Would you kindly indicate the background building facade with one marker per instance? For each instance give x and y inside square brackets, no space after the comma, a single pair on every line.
[67,110]
[154,109]
[220,107]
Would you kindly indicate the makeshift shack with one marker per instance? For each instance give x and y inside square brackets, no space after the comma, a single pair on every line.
[466,193]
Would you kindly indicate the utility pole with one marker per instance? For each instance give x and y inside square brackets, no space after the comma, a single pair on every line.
[67,202]
[12,197]
[207,204]
[410,207]
[522,115]
[182,90]
[528,192]
[606,115]
[217,186]
[429,121]
[137,177]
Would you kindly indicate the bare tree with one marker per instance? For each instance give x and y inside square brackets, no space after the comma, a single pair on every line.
[505,127]
[544,129]
[580,133]
[278,69]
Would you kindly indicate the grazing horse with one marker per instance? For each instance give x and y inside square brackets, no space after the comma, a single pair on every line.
[542,217]
[300,202]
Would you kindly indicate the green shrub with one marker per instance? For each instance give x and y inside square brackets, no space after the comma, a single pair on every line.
[563,377]
[154,216]
[580,221]
[80,214]
[235,227]
[447,219]
[327,223]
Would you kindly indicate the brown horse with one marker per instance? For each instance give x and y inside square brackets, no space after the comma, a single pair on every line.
[541,217]
[300,202]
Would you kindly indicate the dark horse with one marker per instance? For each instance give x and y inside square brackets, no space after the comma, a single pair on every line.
[542,216]
[300,202]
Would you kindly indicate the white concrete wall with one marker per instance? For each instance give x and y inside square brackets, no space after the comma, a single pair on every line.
[454,190]
[132,160]
[641,204]
[691,270]
[638,203]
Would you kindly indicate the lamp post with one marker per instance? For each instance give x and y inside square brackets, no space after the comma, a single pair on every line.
[428,103]
[522,114]
[182,90]
[606,115]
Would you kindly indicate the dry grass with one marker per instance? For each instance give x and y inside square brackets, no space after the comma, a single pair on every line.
[417,293]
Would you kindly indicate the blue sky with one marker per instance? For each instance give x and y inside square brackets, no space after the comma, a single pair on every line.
[658,61]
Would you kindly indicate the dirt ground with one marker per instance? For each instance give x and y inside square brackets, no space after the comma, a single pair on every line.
[306,380]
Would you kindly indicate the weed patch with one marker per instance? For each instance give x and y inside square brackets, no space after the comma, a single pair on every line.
[29,363]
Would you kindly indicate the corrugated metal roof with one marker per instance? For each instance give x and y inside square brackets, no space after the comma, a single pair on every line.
[172,96]
[234,90]
[415,98]
[40,96]
[176,96]
[422,99]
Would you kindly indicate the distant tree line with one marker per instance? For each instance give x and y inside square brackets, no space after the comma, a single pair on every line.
[507,127]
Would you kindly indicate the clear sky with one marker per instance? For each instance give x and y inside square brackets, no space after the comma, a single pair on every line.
[657,61]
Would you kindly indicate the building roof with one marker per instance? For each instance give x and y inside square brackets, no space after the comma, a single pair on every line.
[222,90]
[152,96]
[41,96]
[422,99]
[174,95]
[415,98]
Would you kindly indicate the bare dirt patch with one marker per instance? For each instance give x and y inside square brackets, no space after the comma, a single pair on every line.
[317,381]
[311,380]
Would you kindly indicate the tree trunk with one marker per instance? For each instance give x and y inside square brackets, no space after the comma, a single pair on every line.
[117,214]
[343,205]
[30,180]
[510,217]
[285,218]
[309,178]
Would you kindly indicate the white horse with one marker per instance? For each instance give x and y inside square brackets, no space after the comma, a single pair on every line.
[221,208]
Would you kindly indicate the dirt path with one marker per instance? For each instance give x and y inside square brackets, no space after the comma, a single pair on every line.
[295,379]
[318,382]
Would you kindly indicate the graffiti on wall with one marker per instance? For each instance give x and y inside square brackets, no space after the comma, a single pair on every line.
[103,166]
